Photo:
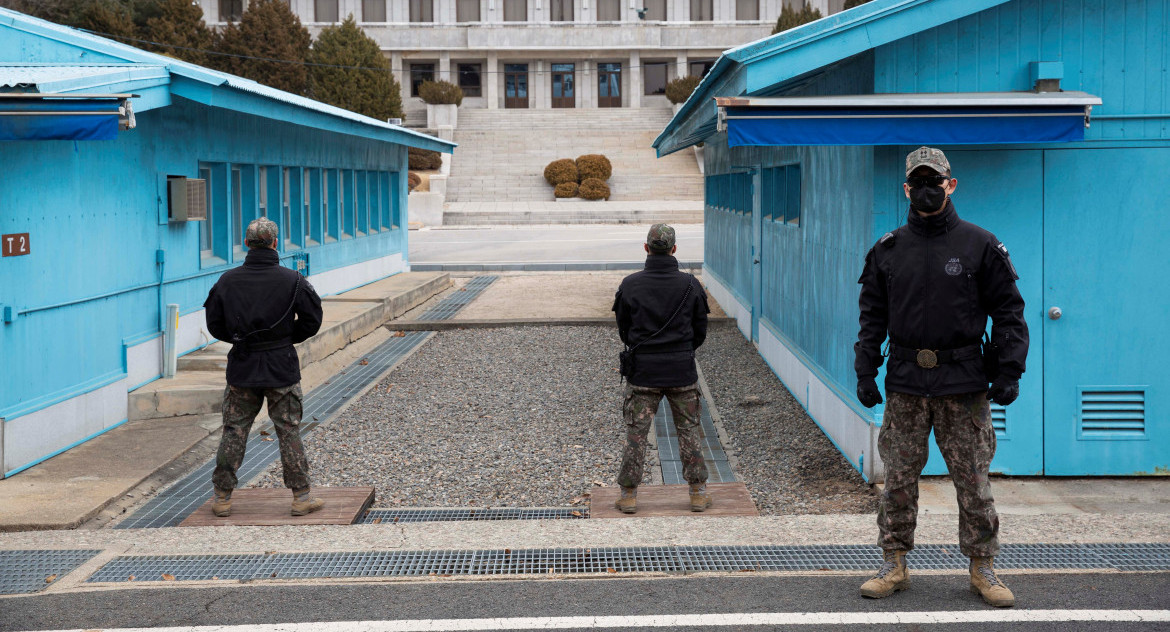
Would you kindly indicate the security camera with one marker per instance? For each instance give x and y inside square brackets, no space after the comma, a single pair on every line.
[642,13]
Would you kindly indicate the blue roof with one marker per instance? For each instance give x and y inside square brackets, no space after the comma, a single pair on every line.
[60,78]
[245,95]
[764,66]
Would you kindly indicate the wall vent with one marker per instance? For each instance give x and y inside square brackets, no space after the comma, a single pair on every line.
[999,420]
[1113,414]
[187,198]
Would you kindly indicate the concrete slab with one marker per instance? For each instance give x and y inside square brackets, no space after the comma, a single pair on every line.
[1047,496]
[659,501]
[268,507]
[72,487]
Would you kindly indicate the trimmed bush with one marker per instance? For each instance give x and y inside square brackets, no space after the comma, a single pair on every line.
[413,180]
[679,90]
[594,189]
[424,159]
[440,93]
[559,171]
[566,190]
[594,166]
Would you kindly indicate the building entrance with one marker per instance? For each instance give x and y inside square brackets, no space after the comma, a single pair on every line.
[609,85]
[563,95]
[515,85]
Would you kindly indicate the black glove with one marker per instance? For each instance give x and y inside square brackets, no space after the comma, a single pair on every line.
[868,393]
[1003,391]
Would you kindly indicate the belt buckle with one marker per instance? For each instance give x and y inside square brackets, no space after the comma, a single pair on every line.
[926,359]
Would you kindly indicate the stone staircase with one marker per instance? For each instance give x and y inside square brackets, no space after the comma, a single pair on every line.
[502,155]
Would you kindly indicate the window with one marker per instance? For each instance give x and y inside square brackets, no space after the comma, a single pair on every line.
[345,200]
[515,10]
[312,191]
[418,74]
[237,208]
[262,193]
[654,75]
[205,232]
[470,79]
[231,10]
[655,10]
[286,216]
[373,194]
[422,11]
[467,10]
[362,203]
[325,10]
[702,10]
[700,68]
[780,194]
[609,10]
[561,10]
[373,10]
[393,190]
[328,204]
[747,9]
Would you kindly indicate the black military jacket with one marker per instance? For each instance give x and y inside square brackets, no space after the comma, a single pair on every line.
[644,302]
[932,284]
[254,297]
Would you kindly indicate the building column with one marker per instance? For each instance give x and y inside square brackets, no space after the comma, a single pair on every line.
[635,79]
[445,66]
[492,79]
[586,85]
[403,79]
[680,65]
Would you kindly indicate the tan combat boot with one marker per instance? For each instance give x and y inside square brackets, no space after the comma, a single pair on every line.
[303,504]
[628,503]
[890,578]
[700,499]
[221,506]
[984,582]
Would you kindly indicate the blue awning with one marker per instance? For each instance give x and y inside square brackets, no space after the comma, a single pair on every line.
[907,119]
[62,117]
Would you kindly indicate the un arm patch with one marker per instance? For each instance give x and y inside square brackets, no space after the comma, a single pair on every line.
[1003,252]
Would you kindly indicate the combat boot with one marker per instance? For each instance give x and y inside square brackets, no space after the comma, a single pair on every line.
[221,506]
[890,578]
[628,503]
[985,583]
[303,504]
[700,499]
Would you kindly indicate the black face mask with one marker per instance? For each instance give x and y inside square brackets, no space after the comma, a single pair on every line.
[927,199]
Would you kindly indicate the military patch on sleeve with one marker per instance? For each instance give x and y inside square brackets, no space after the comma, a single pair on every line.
[887,240]
[1008,260]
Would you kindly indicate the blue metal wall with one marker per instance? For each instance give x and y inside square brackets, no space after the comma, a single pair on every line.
[96,212]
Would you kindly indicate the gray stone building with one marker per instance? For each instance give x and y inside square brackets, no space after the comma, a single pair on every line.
[545,53]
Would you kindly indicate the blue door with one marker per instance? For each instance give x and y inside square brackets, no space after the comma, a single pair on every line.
[1002,191]
[1107,389]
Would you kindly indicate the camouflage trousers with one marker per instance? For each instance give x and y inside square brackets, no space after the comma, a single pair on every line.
[240,407]
[963,431]
[639,408]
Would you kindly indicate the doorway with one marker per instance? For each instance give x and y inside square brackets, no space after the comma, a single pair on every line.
[609,85]
[515,85]
[563,94]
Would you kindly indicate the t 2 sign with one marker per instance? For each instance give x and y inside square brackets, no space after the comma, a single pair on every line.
[14,245]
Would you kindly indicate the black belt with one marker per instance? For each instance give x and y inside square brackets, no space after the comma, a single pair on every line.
[666,347]
[269,345]
[930,358]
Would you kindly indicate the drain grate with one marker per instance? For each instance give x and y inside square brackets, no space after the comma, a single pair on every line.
[718,470]
[178,501]
[458,299]
[390,516]
[34,570]
[683,559]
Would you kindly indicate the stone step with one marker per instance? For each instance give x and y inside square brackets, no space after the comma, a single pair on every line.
[197,387]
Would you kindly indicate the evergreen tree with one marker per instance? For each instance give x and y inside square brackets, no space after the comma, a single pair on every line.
[849,4]
[268,29]
[790,19]
[109,18]
[180,24]
[364,84]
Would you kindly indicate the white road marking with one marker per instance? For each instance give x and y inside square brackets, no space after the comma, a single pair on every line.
[683,620]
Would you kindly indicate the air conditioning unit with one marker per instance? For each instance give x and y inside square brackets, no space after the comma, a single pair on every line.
[187,199]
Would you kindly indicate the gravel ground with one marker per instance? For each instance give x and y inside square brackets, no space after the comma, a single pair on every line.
[788,464]
[530,417]
[520,417]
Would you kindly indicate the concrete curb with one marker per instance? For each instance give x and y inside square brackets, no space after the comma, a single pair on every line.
[495,323]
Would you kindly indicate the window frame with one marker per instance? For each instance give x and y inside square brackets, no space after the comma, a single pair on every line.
[421,11]
[336,9]
[470,90]
[232,14]
[706,11]
[419,73]
[385,13]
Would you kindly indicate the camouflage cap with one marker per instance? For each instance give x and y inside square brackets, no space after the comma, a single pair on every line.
[660,238]
[261,233]
[927,157]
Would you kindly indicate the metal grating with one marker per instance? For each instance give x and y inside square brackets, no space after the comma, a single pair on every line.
[34,570]
[175,503]
[683,559]
[1113,414]
[718,470]
[392,516]
[458,299]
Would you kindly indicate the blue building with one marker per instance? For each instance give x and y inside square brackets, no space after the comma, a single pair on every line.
[804,138]
[106,149]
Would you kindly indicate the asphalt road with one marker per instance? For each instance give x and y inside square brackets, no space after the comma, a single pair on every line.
[1041,596]
[545,244]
